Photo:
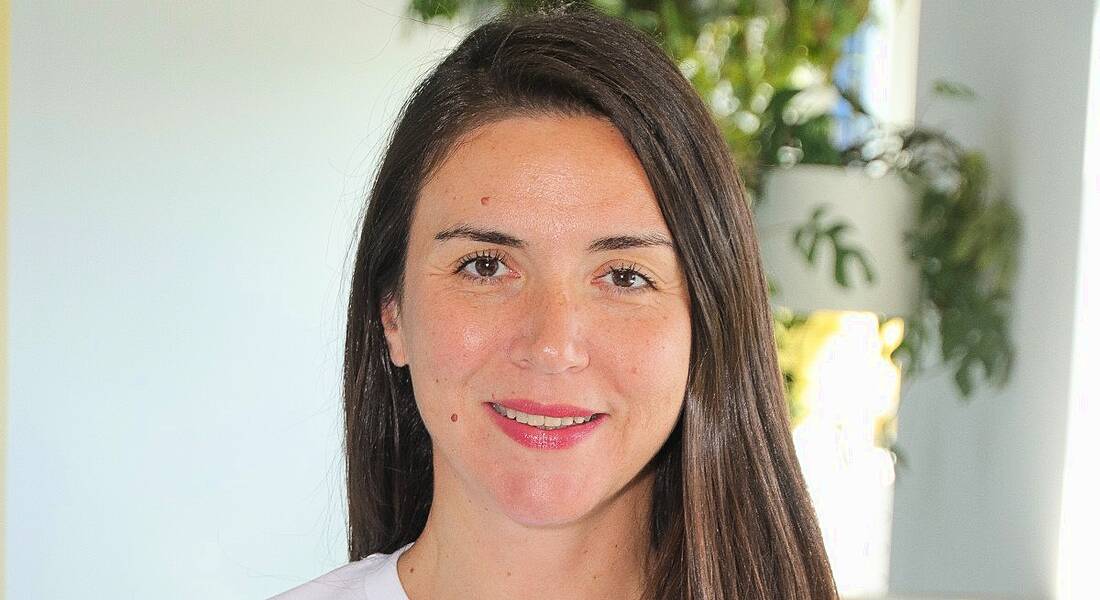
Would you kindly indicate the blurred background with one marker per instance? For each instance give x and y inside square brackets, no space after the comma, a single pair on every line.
[181,189]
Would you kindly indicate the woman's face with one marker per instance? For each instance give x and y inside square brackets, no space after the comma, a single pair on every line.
[540,272]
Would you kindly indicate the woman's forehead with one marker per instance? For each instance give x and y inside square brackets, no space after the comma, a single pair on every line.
[544,176]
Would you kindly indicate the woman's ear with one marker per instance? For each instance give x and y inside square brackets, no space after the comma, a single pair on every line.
[395,339]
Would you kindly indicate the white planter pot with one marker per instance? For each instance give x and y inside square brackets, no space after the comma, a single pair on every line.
[879,211]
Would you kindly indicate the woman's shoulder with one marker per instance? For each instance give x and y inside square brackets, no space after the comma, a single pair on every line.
[371,578]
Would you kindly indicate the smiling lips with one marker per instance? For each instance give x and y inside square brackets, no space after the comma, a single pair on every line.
[547,410]
[544,426]
[540,421]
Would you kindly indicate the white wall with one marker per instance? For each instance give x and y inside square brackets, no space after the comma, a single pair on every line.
[978,511]
[1080,524]
[185,177]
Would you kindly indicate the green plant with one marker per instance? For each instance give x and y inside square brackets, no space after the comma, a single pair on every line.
[766,69]
[965,243]
[747,58]
[811,235]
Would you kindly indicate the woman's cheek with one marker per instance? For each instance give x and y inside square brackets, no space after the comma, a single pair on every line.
[651,361]
[474,337]
[455,336]
[640,338]
[458,331]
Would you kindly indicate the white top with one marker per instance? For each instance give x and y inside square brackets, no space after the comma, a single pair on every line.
[371,578]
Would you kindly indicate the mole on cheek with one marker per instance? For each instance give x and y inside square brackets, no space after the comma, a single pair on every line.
[485,201]
[454,417]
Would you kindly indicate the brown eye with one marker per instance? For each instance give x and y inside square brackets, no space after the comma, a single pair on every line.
[486,266]
[624,278]
[482,267]
[628,280]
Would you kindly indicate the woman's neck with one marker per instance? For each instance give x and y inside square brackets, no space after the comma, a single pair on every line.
[468,550]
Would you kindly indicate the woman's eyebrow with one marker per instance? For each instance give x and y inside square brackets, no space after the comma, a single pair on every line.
[613,242]
[620,242]
[479,234]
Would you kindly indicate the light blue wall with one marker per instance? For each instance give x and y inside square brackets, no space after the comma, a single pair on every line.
[978,511]
[185,179]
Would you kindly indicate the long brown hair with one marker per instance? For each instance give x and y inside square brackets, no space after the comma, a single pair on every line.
[731,517]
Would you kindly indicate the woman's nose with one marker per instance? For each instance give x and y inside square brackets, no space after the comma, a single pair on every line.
[551,338]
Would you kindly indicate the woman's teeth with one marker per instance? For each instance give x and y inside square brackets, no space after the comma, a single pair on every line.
[540,421]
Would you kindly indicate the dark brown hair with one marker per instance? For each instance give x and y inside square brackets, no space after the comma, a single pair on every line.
[731,517]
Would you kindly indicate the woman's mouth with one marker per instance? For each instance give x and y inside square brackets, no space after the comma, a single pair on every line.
[541,431]
[541,421]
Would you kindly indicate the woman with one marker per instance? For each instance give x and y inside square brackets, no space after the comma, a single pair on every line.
[560,376]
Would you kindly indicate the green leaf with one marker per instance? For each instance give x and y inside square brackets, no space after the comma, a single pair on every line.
[951,89]
[962,378]
[836,230]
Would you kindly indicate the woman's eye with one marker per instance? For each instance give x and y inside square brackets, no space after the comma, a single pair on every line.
[625,280]
[482,268]
[489,268]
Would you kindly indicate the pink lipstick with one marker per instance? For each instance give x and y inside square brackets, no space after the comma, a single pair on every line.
[558,438]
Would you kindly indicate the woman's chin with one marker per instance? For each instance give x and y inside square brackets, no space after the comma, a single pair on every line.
[546,501]
[545,517]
